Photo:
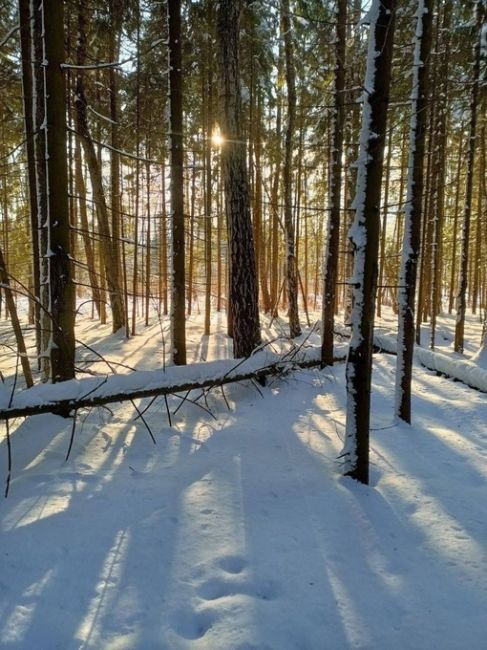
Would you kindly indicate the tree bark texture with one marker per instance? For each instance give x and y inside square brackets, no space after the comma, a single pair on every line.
[106,245]
[12,310]
[61,287]
[243,277]
[333,231]
[26,45]
[462,289]
[178,326]
[414,209]
[291,266]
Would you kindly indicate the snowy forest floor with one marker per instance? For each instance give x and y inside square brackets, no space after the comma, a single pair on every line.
[237,533]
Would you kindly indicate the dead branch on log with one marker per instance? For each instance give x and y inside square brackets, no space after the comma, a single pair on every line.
[77,394]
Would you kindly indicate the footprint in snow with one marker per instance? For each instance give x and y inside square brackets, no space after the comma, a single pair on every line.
[216,588]
[192,625]
[232,563]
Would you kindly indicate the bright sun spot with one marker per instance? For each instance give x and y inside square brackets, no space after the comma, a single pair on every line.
[217,138]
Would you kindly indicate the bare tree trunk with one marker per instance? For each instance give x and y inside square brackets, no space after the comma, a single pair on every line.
[333,230]
[383,234]
[414,207]
[12,309]
[439,162]
[61,287]
[135,275]
[208,88]
[40,178]
[259,226]
[178,325]
[462,291]
[365,238]
[243,279]
[148,256]
[291,268]
[28,105]
[163,243]
[453,275]
[84,226]
[81,120]
[191,236]
[116,8]
[479,225]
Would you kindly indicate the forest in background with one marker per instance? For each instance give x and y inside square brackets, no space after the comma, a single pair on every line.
[159,159]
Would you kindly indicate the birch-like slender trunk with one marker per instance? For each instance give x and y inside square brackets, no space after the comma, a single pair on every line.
[365,238]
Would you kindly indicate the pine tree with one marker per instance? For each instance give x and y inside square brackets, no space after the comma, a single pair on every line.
[480,9]
[178,325]
[243,277]
[414,206]
[333,231]
[61,287]
[291,265]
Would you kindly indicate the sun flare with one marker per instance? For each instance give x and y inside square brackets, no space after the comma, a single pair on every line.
[217,139]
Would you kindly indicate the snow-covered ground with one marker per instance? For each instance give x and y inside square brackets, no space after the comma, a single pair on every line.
[235,531]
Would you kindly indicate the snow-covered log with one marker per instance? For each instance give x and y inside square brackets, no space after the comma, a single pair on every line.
[96,391]
[470,372]
[463,370]
[460,369]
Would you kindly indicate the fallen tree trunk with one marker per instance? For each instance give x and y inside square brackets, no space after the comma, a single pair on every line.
[458,369]
[446,364]
[450,366]
[80,393]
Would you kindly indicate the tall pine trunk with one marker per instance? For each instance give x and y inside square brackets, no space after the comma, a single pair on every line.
[243,279]
[94,168]
[333,231]
[26,45]
[291,262]
[462,290]
[414,207]
[61,287]
[178,325]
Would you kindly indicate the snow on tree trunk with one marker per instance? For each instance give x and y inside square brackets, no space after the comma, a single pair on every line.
[413,211]
[243,278]
[364,235]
